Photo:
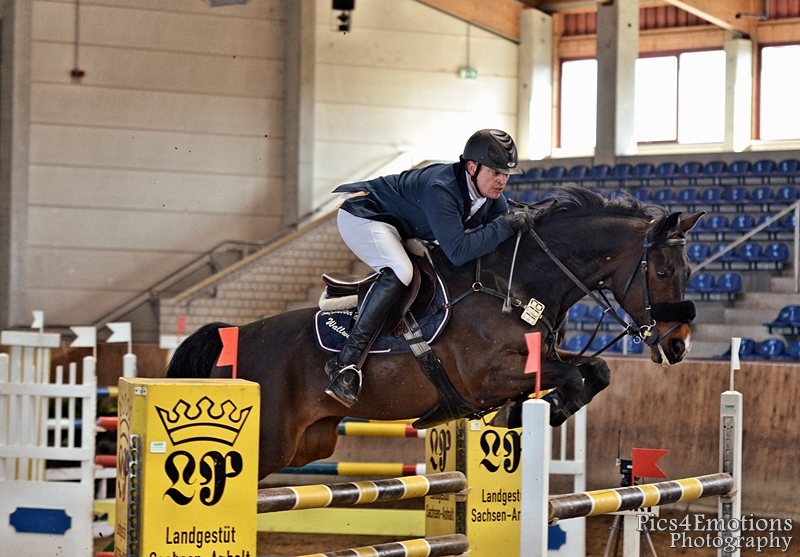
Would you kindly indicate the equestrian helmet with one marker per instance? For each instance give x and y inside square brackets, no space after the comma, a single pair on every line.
[493,148]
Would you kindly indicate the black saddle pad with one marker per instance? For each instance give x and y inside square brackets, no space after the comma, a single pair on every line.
[333,327]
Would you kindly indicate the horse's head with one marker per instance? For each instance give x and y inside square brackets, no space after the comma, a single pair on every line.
[654,289]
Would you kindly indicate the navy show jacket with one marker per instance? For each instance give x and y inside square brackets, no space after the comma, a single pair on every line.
[432,203]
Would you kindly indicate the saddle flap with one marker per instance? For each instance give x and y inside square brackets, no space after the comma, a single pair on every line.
[341,284]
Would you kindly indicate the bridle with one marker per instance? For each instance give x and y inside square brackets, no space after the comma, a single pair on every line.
[642,330]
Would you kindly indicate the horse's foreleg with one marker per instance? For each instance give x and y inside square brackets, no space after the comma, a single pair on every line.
[595,377]
[568,383]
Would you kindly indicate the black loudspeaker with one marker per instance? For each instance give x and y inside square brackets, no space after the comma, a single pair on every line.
[344,4]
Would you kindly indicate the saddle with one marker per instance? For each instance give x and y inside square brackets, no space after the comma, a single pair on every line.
[343,291]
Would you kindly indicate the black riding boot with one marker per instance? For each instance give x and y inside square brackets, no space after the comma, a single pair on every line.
[345,384]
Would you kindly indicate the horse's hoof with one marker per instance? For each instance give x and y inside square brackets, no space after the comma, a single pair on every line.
[558,414]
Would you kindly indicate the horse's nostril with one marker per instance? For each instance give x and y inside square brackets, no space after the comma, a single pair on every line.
[677,348]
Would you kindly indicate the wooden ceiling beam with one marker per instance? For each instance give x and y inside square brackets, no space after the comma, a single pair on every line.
[497,16]
[721,14]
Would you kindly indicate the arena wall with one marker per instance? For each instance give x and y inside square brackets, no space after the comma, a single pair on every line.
[677,408]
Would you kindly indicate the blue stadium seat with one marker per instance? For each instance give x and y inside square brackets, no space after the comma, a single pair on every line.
[777,252]
[576,173]
[712,173]
[578,312]
[642,194]
[728,257]
[729,284]
[598,173]
[760,172]
[639,174]
[786,171]
[711,196]
[772,228]
[792,351]
[771,348]
[528,196]
[688,173]
[701,282]
[787,195]
[664,196]
[736,196]
[763,195]
[747,350]
[788,319]
[554,174]
[631,346]
[788,222]
[613,194]
[688,197]
[742,223]
[576,343]
[749,252]
[736,172]
[546,194]
[698,252]
[532,175]
[600,341]
[717,224]
[620,171]
[663,173]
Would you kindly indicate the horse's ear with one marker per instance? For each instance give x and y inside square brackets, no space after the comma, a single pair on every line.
[668,225]
[688,223]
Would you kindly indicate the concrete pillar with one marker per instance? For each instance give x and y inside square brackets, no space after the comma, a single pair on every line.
[535,85]
[738,94]
[15,85]
[298,192]
[617,51]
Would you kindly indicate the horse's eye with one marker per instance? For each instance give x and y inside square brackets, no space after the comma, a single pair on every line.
[661,274]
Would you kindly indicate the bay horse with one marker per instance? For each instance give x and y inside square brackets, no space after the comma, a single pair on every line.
[635,251]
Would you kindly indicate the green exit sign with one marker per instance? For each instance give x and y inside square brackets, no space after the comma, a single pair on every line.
[468,73]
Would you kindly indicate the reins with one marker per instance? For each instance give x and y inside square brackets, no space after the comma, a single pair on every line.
[640,331]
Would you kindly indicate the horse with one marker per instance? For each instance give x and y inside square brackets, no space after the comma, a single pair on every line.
[579,243]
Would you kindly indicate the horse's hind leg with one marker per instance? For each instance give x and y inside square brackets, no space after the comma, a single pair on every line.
[317,441]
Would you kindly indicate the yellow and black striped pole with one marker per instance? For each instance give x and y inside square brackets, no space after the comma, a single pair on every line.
[605,501]
[357,493]
[440,546]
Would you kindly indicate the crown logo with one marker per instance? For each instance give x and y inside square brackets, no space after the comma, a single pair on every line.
[206,421]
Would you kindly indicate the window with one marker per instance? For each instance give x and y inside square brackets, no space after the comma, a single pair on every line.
[677,98]
[578,104]
[780,112]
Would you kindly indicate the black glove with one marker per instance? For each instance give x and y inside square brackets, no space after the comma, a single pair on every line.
[519,220]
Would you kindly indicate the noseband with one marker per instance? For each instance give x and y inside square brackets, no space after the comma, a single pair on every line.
[678,312]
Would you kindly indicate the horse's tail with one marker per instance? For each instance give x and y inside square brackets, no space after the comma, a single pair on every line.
[197,355]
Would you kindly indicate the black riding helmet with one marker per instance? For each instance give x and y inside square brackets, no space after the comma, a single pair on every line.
[493,148]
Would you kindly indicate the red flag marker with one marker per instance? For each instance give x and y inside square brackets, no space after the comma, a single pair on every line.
[230,348]
[644,463]
[181,324]
[534,362]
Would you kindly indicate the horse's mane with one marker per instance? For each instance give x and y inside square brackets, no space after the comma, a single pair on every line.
[572,200]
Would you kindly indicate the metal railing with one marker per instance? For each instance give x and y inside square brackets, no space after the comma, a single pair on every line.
[796,252]
[229,252]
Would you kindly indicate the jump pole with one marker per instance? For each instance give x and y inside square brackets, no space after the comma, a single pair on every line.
[538,509]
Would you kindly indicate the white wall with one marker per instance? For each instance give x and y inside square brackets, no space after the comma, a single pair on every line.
[173,140]
[171,143]
[392,84]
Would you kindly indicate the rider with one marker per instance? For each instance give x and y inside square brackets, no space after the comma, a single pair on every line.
[459,205]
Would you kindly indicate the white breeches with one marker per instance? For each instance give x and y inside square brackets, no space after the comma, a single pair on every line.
[375,243]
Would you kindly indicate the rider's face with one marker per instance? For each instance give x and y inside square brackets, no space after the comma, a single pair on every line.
[490,182]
